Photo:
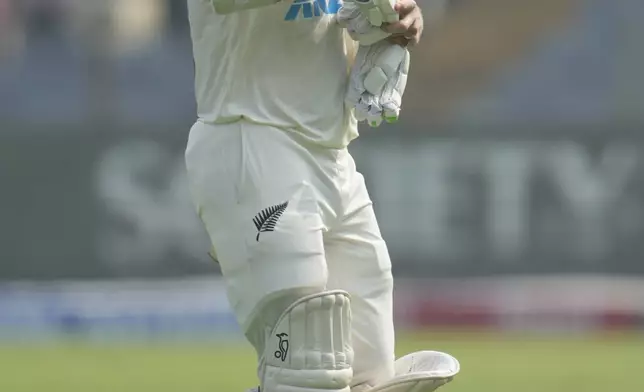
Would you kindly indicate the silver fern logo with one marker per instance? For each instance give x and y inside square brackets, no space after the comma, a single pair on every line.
[268,217]
[283,347]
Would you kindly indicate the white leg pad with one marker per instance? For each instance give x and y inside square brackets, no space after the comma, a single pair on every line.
[423,371]
[310,349]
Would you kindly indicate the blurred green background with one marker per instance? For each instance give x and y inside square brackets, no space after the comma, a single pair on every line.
[490,362]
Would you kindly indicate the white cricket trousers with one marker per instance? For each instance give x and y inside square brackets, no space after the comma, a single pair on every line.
[282,214]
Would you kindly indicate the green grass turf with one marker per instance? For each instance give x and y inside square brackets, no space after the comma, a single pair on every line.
[490,363]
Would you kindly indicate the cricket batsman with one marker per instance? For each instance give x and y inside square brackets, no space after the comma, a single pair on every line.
[280,88]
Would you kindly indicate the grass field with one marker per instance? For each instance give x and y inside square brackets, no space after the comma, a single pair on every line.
[490,363]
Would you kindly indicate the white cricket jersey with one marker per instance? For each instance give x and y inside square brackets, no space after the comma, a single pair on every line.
[285,65]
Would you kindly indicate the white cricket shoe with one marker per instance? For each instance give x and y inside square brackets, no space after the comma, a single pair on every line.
[434,363]
[422,371]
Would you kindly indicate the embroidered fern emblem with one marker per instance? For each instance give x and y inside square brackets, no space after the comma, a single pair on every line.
[268,217]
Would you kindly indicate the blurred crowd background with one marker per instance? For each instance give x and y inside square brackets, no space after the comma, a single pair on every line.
[511,192]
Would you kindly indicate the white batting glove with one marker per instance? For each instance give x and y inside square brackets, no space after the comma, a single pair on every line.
[379,11]
[363,19]
[377,82]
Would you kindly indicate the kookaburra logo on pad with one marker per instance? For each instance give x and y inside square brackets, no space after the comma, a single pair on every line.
[268,217]
[283,346]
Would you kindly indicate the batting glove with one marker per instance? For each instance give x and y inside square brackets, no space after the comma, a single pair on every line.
[377,82]
[363,19]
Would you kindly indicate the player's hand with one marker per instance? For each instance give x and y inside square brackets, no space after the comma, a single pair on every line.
[410,25]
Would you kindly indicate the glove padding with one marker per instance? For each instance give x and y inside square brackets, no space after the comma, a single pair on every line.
[378,11]
[355,17]
[377,82]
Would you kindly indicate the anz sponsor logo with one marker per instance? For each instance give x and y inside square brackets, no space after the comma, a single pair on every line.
[308,9]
